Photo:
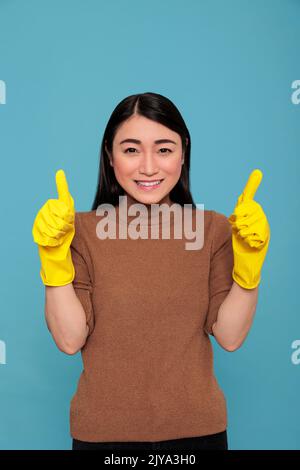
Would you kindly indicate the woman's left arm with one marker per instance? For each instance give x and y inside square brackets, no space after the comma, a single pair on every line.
[235,317]
[250,242]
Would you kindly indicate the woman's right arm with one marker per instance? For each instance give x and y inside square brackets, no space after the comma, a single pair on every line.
[53,231]
[65,318]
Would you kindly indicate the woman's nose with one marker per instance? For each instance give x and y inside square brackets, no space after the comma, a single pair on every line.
[148,163]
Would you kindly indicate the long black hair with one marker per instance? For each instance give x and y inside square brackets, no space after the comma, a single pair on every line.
[157,108]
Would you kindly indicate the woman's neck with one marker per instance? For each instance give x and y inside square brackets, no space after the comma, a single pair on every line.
[150,215]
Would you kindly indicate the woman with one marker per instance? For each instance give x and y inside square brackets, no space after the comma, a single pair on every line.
[141,310]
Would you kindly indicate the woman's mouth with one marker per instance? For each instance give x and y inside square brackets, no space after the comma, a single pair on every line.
[148,185]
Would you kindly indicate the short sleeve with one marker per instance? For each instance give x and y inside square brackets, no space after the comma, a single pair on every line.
[221,266]
[82,281]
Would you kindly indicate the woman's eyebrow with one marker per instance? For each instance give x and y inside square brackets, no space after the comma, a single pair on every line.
[159,141]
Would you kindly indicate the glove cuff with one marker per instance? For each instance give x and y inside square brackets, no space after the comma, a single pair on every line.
[56,271]
[246,284]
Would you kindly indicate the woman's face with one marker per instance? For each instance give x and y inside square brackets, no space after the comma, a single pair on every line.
[141,158]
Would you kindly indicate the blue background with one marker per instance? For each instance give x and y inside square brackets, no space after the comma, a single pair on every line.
[228,67]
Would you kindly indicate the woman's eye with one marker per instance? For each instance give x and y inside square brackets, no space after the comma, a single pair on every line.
[129,148]
[166,149]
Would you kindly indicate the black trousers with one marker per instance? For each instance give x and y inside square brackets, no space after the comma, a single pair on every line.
[211,442]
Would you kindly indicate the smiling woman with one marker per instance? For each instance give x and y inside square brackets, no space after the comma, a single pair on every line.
[148,121]
[140,310]
[145,169]
[150,184]
[148,301]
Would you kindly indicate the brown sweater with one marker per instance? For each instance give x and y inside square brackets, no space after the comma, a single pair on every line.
[150,304]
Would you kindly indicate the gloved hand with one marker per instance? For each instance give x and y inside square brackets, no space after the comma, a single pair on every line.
[53,230]
[250,235]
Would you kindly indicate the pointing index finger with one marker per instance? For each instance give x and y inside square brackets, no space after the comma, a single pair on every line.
[252,185]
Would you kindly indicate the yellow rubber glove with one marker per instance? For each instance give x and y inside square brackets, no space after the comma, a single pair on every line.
[53,230]
[250,235]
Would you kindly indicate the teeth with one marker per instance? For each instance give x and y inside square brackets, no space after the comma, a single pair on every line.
[148,184]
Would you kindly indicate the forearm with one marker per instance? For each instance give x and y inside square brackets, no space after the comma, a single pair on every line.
[235,317]
[65,318]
